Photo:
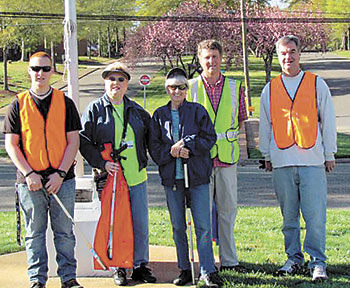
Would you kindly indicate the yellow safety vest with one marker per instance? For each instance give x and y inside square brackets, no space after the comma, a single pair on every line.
[225,119]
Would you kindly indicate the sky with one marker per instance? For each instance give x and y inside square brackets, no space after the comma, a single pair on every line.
[278,3]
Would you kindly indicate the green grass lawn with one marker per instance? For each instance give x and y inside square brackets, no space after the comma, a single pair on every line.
[342,53]
[19,79]
[259,244]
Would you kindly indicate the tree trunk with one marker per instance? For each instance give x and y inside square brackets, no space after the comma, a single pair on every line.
[6,85]
[170,61]
[116,41]
[268,66]
[124,36]
[99,44]
[45,44]
[348,38]
[89,47]
[344,42]
[53,56]
[109,42]
[164,64]
[23,53]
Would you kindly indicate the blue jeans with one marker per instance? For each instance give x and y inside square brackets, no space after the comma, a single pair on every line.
[139,212]
[303,188]
[35,207]
[201,217]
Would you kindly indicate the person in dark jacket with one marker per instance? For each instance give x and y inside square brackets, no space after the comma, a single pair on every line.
[103,122]
[183,130]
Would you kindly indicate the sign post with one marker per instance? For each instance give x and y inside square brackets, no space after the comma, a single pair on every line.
[145,80]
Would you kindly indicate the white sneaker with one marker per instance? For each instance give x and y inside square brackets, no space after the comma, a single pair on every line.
[289,268]
[319,273]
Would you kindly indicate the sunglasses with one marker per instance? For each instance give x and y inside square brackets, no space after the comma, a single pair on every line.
[180,87]
[120,79]
[38,68]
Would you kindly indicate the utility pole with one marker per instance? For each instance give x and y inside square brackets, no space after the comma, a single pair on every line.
[71,62]
[245,59]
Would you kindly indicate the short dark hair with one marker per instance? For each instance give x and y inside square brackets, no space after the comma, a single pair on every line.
[209,44]
[40,54]
[287,39]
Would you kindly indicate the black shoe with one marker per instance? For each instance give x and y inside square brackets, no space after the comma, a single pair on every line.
[143,274]
[119,277]
[237,268]
[37,285]
[184,277]
[72,283]
[209,281]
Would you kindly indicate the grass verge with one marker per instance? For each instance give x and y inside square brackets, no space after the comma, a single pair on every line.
[259,245]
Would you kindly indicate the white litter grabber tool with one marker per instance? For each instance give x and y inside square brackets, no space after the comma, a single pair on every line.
[189,218]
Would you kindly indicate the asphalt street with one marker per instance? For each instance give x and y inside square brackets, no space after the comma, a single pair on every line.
[254,184]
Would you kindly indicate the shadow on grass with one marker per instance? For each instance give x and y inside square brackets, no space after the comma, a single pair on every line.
[264,275]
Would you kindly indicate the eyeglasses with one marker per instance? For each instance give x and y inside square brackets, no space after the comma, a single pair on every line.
[180,87]
[120,79]
[38,68]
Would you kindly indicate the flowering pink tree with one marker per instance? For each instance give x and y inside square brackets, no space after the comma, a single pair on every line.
[262,36]
[170,40]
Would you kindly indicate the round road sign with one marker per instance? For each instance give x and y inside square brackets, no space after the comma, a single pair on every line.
[145,80]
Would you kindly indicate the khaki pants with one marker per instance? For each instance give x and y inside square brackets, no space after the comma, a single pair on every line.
[224,180]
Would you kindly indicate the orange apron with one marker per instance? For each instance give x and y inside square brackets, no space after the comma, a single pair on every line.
[122,251]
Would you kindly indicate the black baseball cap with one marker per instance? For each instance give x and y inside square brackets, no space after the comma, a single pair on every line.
[176,71]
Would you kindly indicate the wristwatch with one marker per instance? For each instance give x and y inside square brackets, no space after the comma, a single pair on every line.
[62,173]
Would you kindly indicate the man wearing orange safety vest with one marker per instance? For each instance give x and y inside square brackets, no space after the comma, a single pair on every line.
[298,141]
[42,138]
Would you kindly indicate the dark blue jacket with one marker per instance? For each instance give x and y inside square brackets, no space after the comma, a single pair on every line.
[98,129]
[199,136]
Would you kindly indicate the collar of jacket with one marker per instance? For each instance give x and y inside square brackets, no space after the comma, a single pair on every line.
[107,102]
[180,107]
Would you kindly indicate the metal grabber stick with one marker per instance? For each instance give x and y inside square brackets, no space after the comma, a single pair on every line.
[116,157]
[189,219]
[110,237]
[88,244]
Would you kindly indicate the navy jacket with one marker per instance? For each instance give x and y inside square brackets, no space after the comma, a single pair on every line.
[98,129]
[199,136]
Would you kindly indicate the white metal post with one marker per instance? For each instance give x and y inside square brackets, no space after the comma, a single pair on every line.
[71,62]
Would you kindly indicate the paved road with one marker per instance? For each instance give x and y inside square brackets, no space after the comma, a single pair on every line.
[336,72]
[254,185]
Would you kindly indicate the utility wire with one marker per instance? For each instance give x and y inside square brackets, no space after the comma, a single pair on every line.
[109,17]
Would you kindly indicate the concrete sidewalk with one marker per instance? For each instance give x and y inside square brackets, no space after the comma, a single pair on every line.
[13,272]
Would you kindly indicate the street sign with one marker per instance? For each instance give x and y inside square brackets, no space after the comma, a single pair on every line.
[145,80]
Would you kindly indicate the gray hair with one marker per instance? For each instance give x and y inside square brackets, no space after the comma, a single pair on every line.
[177,79]
[287,39]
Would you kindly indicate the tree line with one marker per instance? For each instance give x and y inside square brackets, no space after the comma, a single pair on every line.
[168,40]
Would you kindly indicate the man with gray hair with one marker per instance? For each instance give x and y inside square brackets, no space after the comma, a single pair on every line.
[298,141]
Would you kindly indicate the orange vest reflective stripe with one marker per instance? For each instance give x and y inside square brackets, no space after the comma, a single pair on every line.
[294,121]
[44,142]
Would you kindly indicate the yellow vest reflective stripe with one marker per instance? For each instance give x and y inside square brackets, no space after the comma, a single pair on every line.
[225,119]
[44,142]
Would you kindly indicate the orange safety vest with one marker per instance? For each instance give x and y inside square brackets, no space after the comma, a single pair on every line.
[294,121]
[43,142]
